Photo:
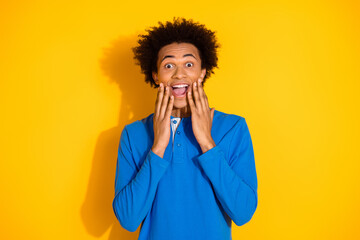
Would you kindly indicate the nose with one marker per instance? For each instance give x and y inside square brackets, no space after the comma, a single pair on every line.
[179,73]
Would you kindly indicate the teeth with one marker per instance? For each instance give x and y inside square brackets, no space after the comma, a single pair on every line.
[180,86]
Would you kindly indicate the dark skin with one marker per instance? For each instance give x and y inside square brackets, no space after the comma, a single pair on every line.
[195,100]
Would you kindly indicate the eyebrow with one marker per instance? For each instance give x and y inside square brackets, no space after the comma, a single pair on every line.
[172,56]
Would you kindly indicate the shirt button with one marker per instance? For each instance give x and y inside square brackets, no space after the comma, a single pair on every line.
[178,144]
[174,121]
[178,132]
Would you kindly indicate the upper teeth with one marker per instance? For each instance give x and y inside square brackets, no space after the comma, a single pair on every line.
[180,86]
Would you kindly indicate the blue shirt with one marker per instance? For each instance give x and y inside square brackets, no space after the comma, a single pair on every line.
[186,194]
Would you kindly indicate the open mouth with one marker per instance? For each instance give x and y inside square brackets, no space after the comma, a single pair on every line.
[180,90]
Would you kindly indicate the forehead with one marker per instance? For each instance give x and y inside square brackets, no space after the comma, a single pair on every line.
[178,50]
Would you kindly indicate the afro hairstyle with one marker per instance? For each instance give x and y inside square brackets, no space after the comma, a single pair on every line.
[180,31]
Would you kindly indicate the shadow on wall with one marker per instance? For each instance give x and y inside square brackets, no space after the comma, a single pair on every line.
[137,101]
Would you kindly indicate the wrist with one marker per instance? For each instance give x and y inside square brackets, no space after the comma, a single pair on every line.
[207,146]
[158,151]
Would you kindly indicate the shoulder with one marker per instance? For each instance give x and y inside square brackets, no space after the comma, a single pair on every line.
[227,120]
[224,126]
[140,126]
[230,132]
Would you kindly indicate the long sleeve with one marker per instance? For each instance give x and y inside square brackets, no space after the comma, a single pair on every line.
[234,180]
[135,190]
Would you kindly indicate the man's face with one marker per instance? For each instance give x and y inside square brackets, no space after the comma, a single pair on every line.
[178,65]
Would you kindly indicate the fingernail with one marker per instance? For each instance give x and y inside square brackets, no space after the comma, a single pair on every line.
[195,84]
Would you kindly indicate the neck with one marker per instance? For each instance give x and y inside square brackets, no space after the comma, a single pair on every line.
[181,112]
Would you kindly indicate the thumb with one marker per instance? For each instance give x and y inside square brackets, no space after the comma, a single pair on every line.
[212,113]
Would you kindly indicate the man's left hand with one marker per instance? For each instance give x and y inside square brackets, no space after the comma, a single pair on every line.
[201,116]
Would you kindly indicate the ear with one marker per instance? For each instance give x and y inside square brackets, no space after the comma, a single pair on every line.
[155,77]
[203,73]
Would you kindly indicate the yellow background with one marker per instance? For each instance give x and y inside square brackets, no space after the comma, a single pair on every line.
[69,84]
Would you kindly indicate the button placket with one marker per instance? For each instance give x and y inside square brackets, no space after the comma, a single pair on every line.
[178,149]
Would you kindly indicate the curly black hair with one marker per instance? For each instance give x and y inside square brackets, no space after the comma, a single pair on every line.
[180,31]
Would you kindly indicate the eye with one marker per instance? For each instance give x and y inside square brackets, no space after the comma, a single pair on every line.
[168,65]
[189,64]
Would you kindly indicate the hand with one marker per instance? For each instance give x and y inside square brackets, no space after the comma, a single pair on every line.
[163,108]
[201,116]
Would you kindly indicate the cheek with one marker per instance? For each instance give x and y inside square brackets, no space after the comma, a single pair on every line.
[196,70]
[195,74]
[164,76]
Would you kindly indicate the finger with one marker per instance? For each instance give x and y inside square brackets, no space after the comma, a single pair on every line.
[169,107]
[159,100]
[191,102]
[206,102]
[196,96]
[164,103]
[212,113]
[202,95]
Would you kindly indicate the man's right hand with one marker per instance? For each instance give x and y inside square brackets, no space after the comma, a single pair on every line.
[163,109]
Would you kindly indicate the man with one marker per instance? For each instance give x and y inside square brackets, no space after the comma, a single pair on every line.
[185,171]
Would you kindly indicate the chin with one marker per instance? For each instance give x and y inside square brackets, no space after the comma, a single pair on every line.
[179,104]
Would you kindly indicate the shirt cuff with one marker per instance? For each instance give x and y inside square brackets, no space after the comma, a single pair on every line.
[212,155]
[153,157]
